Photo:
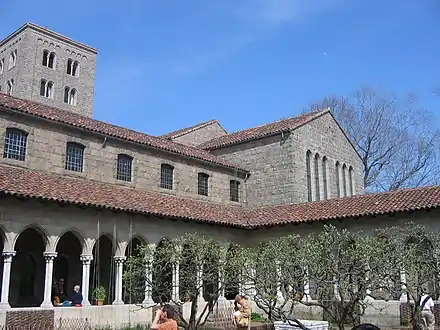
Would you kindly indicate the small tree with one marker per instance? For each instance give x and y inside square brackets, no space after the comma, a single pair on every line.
[197,257]
[417,252]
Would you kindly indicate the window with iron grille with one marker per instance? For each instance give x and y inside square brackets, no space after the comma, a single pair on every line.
[203,184]
[74,157]
[234,187]
[124,166]
[15,144]
[166,176]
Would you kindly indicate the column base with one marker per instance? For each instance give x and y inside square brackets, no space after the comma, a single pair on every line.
[118,302]
[5,305]
[86,303]
[148,302]
[46,304]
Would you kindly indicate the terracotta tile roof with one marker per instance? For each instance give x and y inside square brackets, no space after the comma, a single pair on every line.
[75,120]
[259,132]
[349,207]
[54,187]
[186,130]
[58,188]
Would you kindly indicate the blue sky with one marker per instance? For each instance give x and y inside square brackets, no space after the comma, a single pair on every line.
[166,64]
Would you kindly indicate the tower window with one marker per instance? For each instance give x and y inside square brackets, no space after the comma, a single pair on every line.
[234,188]
[202,185]
[49,59]
[15,144]
[12,59]
[74,157]
[2,65]
[10,87]
[72,67]
[124,167]
[46,88]
[70,95]
[166,176]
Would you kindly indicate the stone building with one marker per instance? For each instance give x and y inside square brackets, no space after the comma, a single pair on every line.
[76,194]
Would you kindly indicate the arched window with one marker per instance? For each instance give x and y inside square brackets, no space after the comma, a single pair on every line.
[344,179]
[324,176]
[309,175]
[72,67]
[10,87]
[45,57]
[234,190]
[124,168]
[51,62]
[317,190]
[70,96]
[350,180]
[74,157]
[69,66]
[2,65]
[46,88]
[15,144]
[202,184]
[12,59]
[338,183]
[166,176]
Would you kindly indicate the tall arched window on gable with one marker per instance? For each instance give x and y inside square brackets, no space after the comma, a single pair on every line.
[350,179]
[317,187]
[74,157]
[15,144]
[309,175]
[338,181]
[344,179]
[324,177]
[2,65]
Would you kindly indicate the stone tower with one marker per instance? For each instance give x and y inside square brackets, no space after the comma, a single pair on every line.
[41,65]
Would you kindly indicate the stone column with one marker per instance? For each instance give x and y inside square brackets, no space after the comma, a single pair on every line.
[49,257]
[306,296]
[7,260]
[148,299]
[280,297]
[221,280]
[404,296]
[200,282]
[175,295]
[85,285]
[119,262]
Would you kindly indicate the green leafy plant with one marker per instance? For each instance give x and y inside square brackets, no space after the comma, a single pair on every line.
[99,293]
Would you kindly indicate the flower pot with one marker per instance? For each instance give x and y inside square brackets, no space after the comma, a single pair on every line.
[99,302]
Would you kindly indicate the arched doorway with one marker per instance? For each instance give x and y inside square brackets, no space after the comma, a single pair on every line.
[28,267]
[162,273]
[67,265]
[102,271]
[133,283]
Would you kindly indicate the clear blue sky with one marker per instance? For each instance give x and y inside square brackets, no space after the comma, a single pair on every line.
[167,64]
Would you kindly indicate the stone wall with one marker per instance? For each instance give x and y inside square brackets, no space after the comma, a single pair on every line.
[46,151]
[201,135]
[278,163]
[29,71]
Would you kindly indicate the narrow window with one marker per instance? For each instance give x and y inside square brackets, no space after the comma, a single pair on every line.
[12,59]
[338,183]
[72,97]
[166,176]
[75,69]
[66,94]
[317,190]
[309,175]
[69,66]
[49,89]
[203,184]
[51,63]
[43,87]
[234,188]
[10,87]
[74,157]
[2,65]
[124,167]
[45,57]
[344,179]
[350,179]
[15,144]
[324,176]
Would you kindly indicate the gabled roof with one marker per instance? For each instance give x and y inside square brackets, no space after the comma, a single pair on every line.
[183,131]
[262,131]
[82,192]
[78,121]
[21,182]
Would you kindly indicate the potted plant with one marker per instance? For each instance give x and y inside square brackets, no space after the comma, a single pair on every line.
[99,295]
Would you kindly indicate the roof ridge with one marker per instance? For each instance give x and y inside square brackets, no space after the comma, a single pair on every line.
[186,130]
[79,121]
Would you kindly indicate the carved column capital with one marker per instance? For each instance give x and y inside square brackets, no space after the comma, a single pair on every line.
[119,260]
[8,255]
[86,258]
[49,256]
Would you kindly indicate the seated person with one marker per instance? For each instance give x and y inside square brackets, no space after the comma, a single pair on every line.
[243,312]
[76,299]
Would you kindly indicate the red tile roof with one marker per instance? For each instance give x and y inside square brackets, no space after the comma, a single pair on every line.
[186,130]
[403,200]
[55,187]
[75,120]
[58,188]
[262,131]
